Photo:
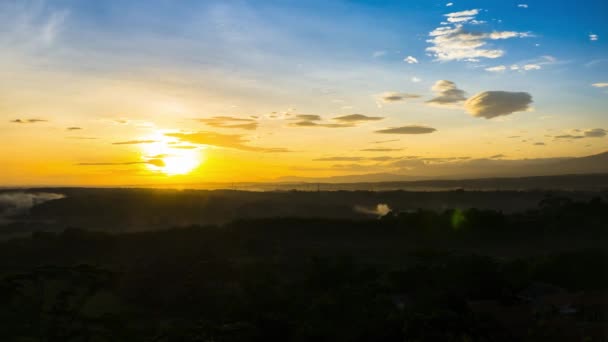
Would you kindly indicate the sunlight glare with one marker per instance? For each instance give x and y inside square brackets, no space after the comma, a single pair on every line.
[175,161]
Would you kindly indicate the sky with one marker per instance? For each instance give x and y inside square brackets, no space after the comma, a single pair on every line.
[168,91]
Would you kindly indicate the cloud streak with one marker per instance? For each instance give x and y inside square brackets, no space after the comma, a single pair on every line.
[410,129]
[28,121]
[231,141]
[392,96]
[230,122]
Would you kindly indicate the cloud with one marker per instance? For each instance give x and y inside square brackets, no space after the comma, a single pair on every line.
[134,142]
[539,144]
[307,123]
[498,68]
[535,64]
[339,159]
[379,53]
[462,16]
[532,67]
[410,129]
[52,27]
[381,149]
[230,122]
[490,104]
[356,118]
[82,138]
[28,121]
[569,136]
[497,156]
[308,117]
[410,60]
[522,6]
[415,79]
[595,133]
[600,85]
[155,162]
[356,159]
[449,4]
[593,37]
[446,93]
[74,128]
[384,141]
[234,141]
[392,96]
[449,43]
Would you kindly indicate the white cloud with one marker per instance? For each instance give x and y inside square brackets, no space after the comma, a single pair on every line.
[415,79]
[532,67]
[449,4]
[498,68]
[410,60]
[600,85]
[593,37]
[534,64]
[462,16]
[508,34]
[490,104]
[457,43]
[522,5]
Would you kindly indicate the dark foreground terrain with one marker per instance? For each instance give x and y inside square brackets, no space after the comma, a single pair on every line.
[539,273]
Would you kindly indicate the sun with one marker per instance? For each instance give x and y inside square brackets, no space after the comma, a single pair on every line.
[168,156]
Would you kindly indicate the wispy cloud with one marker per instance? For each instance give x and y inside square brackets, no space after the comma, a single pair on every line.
[27,121]
[462,16]
[379,53]
[593,37]
[535,64]
[410,129]
[230,122]
[356,118]
[498,68]
[522,5]
[450,43]
[234,141]
[582,134]
[393,96]
[134,142]
[155,162]
[381,149]
[410,60]
[600,85]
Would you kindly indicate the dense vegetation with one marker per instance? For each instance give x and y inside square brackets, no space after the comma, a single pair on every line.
[419,275]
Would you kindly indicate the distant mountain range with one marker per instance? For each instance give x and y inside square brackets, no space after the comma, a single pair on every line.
[475,168]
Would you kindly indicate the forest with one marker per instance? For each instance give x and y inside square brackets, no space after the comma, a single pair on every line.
[406,275]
